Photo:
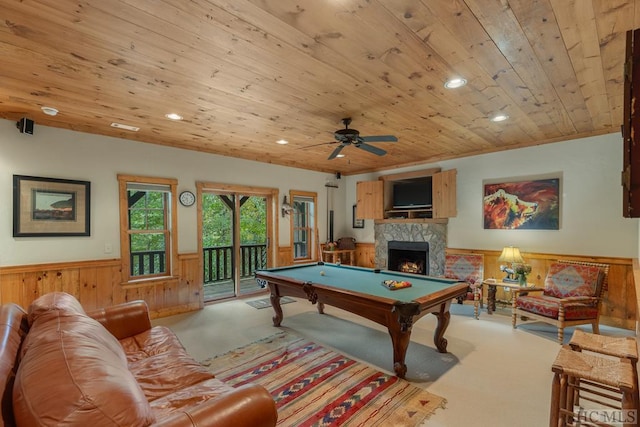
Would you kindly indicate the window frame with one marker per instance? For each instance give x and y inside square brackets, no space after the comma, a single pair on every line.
[171,227]
[313,231]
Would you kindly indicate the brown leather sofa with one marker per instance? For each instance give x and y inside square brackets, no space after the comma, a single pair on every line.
[62,366]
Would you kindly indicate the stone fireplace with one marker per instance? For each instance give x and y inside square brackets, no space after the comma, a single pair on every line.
[408,257]
[433,234]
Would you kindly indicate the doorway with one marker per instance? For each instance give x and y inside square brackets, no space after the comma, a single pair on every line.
[235,241]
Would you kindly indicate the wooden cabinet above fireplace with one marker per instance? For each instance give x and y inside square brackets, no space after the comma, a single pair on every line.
[375,199]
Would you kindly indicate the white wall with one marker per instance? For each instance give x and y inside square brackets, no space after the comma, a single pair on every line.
[65,154]
[591,204]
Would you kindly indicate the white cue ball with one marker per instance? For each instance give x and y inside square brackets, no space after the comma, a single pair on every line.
[322,273]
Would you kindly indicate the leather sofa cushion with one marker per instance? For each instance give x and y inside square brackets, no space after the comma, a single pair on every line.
[74,372]
[153,341]
[189,397]
[13,329]
[160,364]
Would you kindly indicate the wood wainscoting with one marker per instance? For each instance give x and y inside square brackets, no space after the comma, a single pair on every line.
[619,308]
[99,284]
[366,255]
[622,300]
[285,256]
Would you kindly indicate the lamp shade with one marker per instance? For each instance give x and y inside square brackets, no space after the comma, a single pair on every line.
[510,254]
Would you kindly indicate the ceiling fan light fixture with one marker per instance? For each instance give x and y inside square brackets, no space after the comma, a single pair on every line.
[500,117]
[340,155]
[455,83]
[173,116]
[282,142]
[351,137]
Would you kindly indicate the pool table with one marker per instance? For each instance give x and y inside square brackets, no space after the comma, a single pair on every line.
[360,291]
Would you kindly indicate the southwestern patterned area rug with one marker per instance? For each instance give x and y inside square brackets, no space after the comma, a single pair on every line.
[315,386]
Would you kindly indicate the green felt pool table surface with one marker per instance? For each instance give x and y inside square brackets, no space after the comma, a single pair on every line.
[360,291]
[365,280]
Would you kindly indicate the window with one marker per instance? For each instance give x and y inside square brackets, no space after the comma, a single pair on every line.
[303,224]
[147,227]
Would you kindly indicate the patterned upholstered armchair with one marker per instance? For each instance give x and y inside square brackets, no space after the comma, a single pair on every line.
[572,295]
[466,268]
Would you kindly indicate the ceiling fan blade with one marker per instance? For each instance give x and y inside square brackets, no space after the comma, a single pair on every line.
[379,138]
[336,151]
[316,145]
[371,149]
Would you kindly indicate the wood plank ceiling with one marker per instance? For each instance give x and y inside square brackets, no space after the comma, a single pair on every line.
[246,73]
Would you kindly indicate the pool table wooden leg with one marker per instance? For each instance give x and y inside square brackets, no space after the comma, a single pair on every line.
[399,326]
[400,341]
[438,336]
[275,303]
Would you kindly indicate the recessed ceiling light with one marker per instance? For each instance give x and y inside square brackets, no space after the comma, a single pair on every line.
[126,127]
[50,111]
[501,117]
[173,116]
[282,142]
[455,83]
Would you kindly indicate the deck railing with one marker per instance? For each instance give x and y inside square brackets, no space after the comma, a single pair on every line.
[218,261]
[147,262]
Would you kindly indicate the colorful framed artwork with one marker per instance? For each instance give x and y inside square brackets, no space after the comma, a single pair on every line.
[50,207]
[522,205]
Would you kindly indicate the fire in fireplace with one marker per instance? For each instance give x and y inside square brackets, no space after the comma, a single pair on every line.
[408,257]
[411,267]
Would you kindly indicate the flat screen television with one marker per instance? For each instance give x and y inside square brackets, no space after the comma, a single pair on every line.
[412,193]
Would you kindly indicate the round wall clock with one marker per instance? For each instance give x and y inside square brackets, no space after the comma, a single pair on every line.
[187,198]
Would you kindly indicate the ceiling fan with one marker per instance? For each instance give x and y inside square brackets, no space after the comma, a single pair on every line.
[348,136]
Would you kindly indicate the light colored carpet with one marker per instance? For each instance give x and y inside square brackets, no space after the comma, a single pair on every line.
[313,385]
[424,362]
[266,302]
[493,375]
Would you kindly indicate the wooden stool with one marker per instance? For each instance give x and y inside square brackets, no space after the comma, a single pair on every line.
[621,347]
[607,381]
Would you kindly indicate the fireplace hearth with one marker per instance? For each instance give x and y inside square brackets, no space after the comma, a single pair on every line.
[408,257]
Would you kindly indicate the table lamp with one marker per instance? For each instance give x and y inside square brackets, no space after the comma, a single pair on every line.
[510,255]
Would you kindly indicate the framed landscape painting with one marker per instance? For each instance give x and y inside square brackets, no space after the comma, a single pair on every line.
[50,207]
[523,205]
[357,223]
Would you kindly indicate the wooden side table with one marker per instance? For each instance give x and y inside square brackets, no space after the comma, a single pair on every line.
[492,285]
[344,256]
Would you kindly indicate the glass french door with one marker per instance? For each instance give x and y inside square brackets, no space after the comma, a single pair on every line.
[234,242]
[253,241]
